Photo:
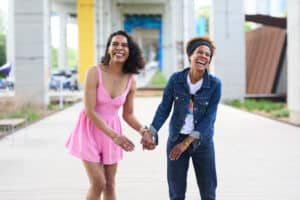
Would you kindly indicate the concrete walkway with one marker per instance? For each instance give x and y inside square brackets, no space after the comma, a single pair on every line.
[257,159]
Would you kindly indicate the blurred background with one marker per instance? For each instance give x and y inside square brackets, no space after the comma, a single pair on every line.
[47,46]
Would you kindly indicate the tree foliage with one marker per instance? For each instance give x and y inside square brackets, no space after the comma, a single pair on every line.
[2,41]
[2,49]
[72,57]
[54,57]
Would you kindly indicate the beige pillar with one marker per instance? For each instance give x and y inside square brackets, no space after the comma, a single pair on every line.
[293,60]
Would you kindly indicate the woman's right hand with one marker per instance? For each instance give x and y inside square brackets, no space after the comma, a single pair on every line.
[124,143]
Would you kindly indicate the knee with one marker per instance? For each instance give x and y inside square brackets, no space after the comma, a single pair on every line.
[110,186]
[98,185]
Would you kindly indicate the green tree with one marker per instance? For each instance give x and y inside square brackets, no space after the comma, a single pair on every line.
[54,58]
[2,41]
[1,21]
[2,49]
[72,57]
[247,26]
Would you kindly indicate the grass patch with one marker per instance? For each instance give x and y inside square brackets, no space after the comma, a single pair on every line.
[30,113]
[274,110]
[158,80]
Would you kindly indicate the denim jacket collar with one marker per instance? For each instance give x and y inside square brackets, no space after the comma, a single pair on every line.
[183,79]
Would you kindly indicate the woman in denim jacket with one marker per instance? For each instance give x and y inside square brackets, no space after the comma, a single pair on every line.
[195,94]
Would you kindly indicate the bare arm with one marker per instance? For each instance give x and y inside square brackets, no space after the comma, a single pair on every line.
[90,89]
[128,115]
[128,109]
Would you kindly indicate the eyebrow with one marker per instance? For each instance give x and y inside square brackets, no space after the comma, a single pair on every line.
[119,42]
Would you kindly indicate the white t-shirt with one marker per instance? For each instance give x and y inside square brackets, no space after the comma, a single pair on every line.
[188,125]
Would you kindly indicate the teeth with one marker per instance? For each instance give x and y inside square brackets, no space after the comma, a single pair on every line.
[200,62]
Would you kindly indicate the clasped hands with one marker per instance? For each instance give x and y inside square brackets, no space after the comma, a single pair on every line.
[147,140]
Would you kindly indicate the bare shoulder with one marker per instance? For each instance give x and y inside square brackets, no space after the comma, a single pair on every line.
[133,84]
[92,71]
[92,75]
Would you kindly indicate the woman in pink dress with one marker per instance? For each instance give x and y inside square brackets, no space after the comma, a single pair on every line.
[97,138]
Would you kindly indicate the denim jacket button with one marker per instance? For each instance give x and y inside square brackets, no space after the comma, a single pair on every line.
[206,102]
[177,98]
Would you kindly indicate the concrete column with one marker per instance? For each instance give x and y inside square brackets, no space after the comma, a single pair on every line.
[173,44]
[31,21]
[168,50]
[179,30]
[115,16]
[98,29]
[102,26]
[107,17]
[228,33]
[293,93]
[62,58]
[189,28]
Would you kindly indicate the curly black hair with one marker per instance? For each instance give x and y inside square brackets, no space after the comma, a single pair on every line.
[135,62]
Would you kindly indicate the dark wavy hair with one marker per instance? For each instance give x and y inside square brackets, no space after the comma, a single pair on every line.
[135,62]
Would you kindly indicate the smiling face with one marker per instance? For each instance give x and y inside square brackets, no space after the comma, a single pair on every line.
[118,49]
[200,58]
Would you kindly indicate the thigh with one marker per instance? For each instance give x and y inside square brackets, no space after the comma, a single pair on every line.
[205,170]
[110,172]
[95,172]
[177,172]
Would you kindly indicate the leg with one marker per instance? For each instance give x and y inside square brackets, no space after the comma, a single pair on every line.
[110,174]
[177,173]
[96,176]
[205,170]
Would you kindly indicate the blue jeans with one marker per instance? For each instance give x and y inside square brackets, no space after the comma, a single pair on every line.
[203,158]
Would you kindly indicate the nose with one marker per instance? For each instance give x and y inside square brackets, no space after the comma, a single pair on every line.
[119,46]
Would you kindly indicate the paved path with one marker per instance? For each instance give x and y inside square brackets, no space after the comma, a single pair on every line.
[257,159]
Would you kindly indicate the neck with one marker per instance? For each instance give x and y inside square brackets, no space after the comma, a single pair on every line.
[115,68]
[195,75]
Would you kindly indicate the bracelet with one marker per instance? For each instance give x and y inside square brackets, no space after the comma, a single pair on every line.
[115,137]
[186,143]
[142,128]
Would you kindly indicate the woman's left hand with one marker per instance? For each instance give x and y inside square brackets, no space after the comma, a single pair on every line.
[124,143]
[177,150]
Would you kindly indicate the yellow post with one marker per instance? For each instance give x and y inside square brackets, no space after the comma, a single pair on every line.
[86,54]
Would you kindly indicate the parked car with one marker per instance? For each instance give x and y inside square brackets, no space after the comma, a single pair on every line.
[66,77]
[6,81]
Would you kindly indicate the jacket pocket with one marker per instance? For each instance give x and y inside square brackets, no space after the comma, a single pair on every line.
[181,104]
[202,104]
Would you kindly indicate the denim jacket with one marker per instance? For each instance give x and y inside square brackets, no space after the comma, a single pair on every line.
[177,93]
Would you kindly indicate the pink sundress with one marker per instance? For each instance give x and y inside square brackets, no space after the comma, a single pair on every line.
[89,143]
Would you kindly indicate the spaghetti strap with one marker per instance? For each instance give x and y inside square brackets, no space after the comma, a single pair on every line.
[129,83]
[99,74]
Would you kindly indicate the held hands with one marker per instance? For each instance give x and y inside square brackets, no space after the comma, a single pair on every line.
[147,140]
[124,142]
